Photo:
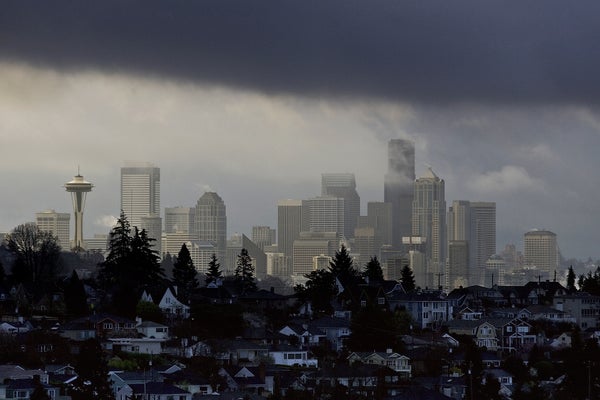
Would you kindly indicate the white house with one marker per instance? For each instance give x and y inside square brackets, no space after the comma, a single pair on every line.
[170,305]
[135,345]
[292,356]
[152,391]
[152,329]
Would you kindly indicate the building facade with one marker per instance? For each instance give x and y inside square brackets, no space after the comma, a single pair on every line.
[343,185]
[429,222]
[140,192]
[58,224]
[541,250]
[211,222]
[399,187]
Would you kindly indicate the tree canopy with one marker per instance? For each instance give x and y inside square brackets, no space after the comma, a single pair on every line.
[184,272]
[37,256]
[214,270]
[373,271]
[408,279]
[131,265]
[244,272]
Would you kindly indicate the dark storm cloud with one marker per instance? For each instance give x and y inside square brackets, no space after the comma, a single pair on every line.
[538,51]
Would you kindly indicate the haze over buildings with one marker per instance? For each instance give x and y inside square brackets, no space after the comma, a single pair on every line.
[494,125]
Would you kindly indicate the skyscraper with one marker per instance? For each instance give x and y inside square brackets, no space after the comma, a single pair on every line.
[211,222]
[140,192]
[78,188]
[474,222]
[180,220]
[399,187]
[324,214]
[429,222]
[263,236]
[289,226]
[343,185]
[58,224]
[541,250]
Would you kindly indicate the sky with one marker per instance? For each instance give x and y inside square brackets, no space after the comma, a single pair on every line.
[256,99]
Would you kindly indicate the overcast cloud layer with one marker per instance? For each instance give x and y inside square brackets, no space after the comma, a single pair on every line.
[256,99]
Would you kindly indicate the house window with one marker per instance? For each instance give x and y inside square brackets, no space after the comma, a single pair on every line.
[363,303]
[509,328]
[107,325]
[381,300]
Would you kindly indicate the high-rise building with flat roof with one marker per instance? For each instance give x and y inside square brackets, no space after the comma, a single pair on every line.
[263,236]
[309,245]
[541,250]
[140,192]
[474,222]
[429,222]
[343,185]
[324,214]
[399,187]
[180,220]
[58,224]
[211,222]
[289,226]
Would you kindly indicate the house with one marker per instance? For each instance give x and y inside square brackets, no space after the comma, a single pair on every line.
[172,306]
[428,309]
[120,379]
[394,361]
[238,352]
[291,356]
[152,391]
[562,341]
[98,326]
[337,330]
[249,379]
[361,380]
[134,345]
[16,372]
[23,388]
[15,327]
[514,333]
[306,335]
[191,382]
[584,307]
[504,377]
[483,332]
[152,329]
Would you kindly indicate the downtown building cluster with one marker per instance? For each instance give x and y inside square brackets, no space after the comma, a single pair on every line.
[447,245]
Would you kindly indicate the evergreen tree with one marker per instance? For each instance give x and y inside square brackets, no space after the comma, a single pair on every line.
[75,296]
[373,270]
[571,280]
[244,272]
[130,265]
[92,369]
[214,270]
[184,272]
[319,289]
[408,279]
[39,393]
[341,266]
[167,265]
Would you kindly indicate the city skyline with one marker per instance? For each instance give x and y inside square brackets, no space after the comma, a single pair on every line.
[256,101]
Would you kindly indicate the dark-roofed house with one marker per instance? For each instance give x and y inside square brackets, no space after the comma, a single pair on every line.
[395,361]
[337,330]
[428,309]
[153,391]
[98,326]
[23,388]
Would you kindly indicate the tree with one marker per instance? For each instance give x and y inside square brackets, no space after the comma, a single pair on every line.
[214,270]
[244,272]
[92,369]
[75,296]
[131,265]
[571,280]
[408,279]
[184,272]
[149,311]
[373,271]
[341,266]
[319,289]
[39,393]
[373,328]
[37,256]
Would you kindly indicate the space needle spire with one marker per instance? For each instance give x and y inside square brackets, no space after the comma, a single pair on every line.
[78,188]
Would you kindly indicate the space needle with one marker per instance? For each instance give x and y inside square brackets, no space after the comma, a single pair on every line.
[78,188]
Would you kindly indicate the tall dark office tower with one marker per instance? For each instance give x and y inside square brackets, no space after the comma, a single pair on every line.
[429,222]
[211,223]
[343,186]
[289,225]
[399,187]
